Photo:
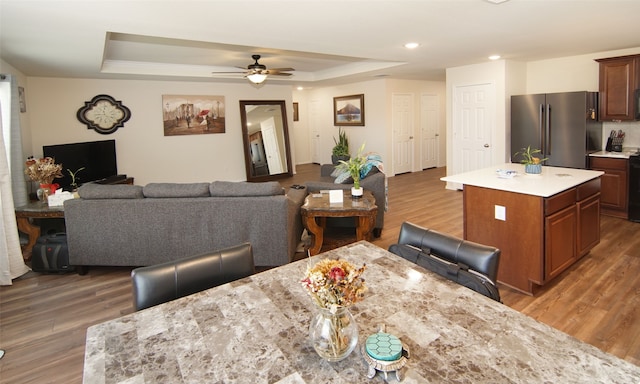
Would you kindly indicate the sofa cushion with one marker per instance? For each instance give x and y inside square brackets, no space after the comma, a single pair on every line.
[243,189]
[176,190]
[113,191]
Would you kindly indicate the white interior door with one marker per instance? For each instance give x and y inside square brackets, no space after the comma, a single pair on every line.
[429,123]
[402,123]
[473,118]
[271,147]
[315,131]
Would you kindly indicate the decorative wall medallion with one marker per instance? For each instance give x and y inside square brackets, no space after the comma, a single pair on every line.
[104,114]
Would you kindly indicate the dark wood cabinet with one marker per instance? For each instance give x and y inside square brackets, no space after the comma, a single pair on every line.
[588,211]
[619,79]
[614,194]
[560,241]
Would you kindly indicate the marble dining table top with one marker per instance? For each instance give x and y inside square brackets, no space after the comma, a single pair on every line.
[255,330]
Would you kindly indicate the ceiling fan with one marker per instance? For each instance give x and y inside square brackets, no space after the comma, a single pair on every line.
[257,73]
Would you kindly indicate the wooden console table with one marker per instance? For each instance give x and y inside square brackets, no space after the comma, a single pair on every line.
[317,205]
[34,210]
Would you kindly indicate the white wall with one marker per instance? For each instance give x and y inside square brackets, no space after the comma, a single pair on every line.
[142,149]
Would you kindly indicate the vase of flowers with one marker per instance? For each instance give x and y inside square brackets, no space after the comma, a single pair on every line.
[43,171]
[334,285]
[354,166]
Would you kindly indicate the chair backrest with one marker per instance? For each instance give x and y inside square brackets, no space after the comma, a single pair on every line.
[160,283]
[455,253]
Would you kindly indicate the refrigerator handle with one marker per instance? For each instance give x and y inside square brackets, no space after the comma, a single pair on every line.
[547,146]
[541,127]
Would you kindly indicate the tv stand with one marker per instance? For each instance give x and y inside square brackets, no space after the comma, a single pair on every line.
[115,179]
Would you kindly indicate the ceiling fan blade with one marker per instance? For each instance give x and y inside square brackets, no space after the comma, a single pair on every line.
[281,69]
[278,73]
[226,73]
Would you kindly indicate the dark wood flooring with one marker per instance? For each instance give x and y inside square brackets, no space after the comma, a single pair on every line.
[43,318]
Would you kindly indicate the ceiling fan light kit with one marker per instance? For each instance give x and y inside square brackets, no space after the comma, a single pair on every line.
[258,73]
[257,78]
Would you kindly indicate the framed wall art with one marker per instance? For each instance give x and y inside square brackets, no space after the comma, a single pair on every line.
[193,114]
[348,110]
[296,117]
[22,100]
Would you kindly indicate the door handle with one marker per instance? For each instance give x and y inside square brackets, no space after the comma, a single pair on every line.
[486,145]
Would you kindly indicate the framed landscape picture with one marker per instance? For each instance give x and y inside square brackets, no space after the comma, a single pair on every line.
[348,110]
[193,114]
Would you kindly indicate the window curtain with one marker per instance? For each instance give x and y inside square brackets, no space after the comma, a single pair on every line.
[12,183]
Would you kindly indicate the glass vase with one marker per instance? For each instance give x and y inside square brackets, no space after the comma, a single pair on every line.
[43,192]
[333,335]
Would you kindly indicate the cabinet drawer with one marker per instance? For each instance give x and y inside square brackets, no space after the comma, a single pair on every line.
[607,163]
[559,201]
[587,189]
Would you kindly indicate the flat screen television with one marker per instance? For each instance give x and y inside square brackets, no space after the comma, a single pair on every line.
[97,157]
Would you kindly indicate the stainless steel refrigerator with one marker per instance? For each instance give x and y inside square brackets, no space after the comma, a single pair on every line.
[564,126]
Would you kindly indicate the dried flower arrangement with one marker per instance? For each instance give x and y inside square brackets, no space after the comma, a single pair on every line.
[43,170]
[335,283]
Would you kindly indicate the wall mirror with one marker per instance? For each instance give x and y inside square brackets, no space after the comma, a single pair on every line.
[266,139]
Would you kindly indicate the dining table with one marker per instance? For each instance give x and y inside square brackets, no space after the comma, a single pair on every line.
[256,330]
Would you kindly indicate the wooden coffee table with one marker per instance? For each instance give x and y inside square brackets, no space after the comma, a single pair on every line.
[317,208]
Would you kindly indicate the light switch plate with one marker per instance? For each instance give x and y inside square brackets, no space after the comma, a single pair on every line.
[501,213]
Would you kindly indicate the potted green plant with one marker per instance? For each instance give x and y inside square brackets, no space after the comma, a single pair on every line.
[354,165]
[341,149]
[74,175]
[532,164]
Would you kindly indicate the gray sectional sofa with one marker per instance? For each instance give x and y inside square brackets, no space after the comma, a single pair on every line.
[129,225]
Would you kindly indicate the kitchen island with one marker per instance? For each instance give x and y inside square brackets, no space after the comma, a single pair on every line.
[541,223]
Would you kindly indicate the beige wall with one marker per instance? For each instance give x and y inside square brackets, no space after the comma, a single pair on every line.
[377,133]
[142,149]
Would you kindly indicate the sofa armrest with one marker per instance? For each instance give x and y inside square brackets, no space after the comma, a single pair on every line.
[326,170]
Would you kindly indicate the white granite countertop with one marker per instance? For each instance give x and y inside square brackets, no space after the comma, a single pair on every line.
[616,155]
[255,330]
[552,180]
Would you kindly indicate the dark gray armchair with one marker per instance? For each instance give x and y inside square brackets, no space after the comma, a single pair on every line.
[164,282]
[374,182]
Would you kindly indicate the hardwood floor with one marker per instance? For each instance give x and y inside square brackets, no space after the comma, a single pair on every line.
[43,318]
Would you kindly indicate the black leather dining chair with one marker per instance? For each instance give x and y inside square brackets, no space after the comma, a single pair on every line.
[156,284]
[467,263]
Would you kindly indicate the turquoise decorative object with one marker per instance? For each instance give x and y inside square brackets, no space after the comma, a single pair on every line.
[383,346]
[384,353]
[535,169]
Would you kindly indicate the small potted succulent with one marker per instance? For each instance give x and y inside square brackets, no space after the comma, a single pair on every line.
[532,164]
[341,150]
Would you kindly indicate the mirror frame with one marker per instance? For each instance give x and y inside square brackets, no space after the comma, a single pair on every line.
[247,143]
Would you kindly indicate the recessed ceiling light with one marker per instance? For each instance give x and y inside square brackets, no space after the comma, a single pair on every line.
[497,1]
[300,88]
[494,57]
[411,45]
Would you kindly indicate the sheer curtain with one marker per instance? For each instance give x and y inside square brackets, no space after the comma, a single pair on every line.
[11,263]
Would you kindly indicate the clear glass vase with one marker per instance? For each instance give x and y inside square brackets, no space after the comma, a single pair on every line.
[43,192]
[334,335]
